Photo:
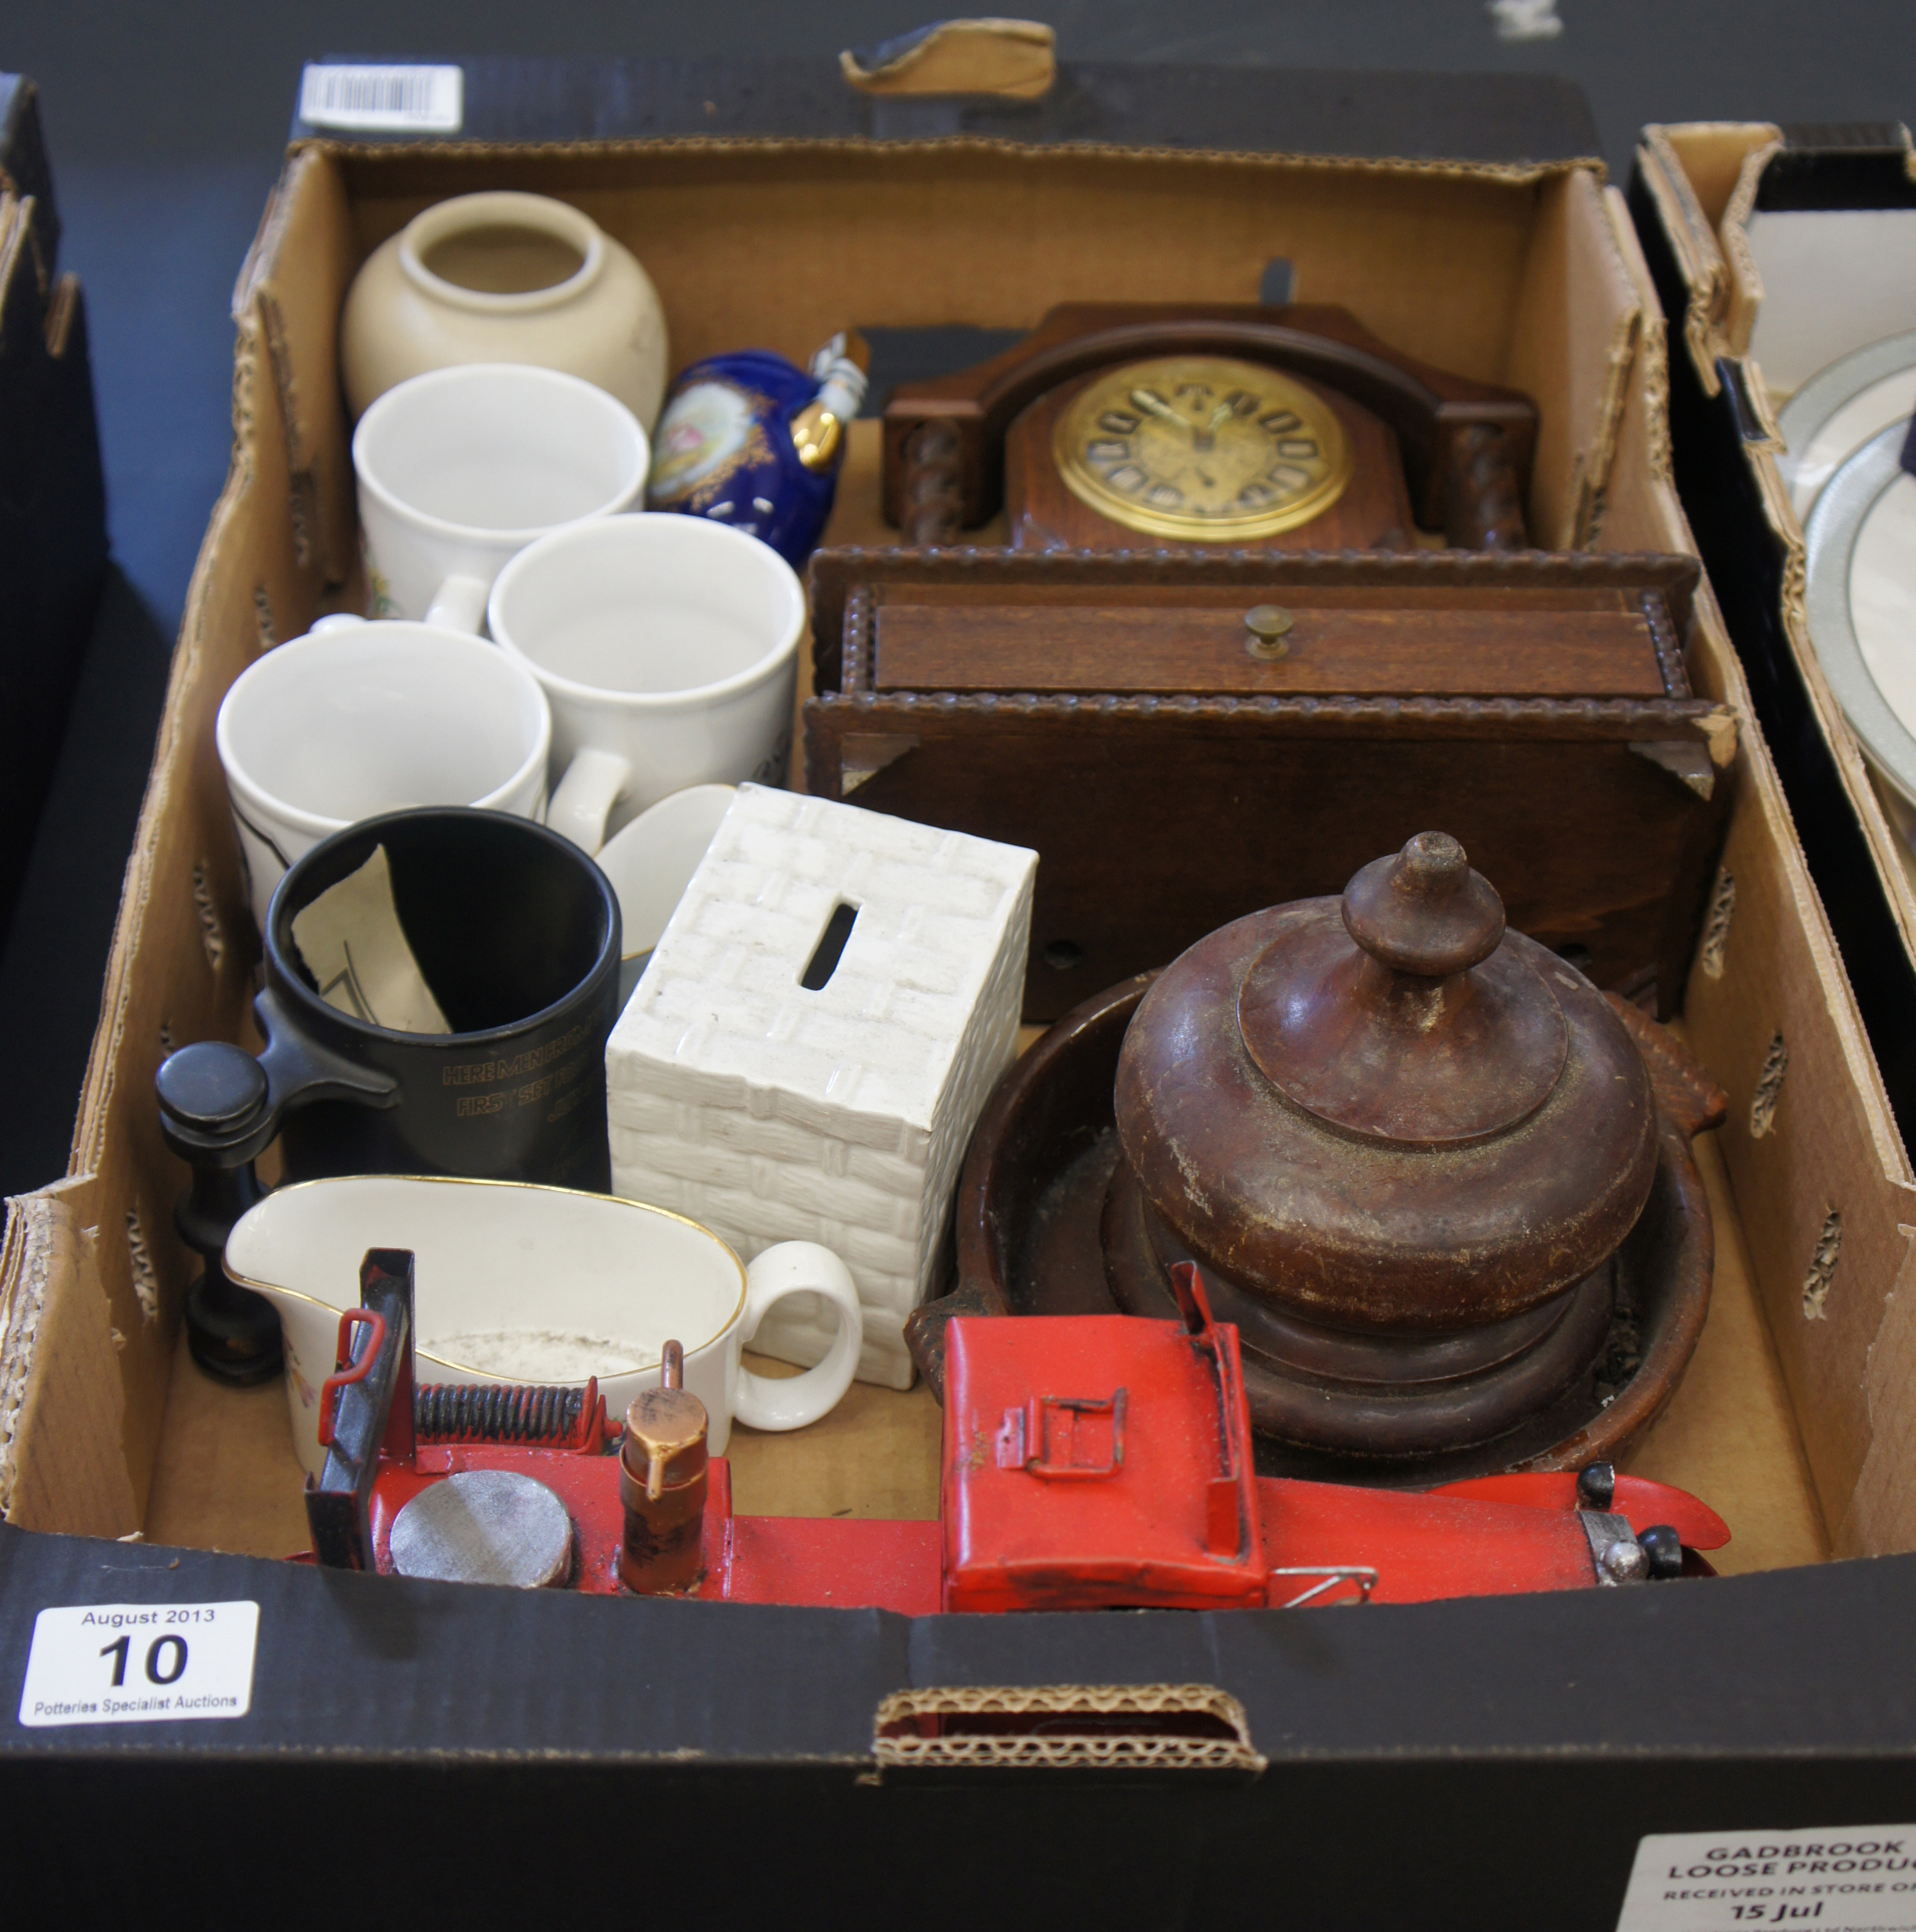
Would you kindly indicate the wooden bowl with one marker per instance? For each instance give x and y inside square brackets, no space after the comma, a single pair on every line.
[1031,1200]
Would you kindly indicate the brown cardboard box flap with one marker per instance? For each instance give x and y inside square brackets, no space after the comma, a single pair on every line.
[293,285]
[1015,58]
[181,965]
[61,1464]
[1743,283]
[1575,335]
[1810,1134]
[1691,173]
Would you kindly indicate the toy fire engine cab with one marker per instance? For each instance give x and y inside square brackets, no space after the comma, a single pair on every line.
[1089,1461]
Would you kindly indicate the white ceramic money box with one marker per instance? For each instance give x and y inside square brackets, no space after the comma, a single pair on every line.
[815,1036]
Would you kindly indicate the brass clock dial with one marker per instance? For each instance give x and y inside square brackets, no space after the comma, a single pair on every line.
[1204,449]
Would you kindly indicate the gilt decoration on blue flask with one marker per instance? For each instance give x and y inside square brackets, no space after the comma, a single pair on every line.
[752,440]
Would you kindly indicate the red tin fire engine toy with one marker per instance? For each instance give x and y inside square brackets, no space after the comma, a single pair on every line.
[1090,1461]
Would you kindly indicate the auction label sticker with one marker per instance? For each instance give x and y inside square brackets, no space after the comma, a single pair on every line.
[139,1663]
[1846,1878]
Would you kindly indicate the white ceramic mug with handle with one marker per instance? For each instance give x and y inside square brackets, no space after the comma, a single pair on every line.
[460,468]
[357,719]
[667,647]
[651,863]
[516,1283]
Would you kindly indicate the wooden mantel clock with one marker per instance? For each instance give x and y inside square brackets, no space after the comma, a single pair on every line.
[1131,426]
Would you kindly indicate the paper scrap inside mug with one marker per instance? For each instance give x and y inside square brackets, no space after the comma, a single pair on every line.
[356,950]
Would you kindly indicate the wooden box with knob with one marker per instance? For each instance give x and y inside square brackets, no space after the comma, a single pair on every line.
[1185,739]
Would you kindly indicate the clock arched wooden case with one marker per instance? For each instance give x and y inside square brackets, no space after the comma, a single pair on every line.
[1126,426]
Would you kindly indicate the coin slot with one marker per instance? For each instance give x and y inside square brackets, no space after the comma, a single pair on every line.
[831,946]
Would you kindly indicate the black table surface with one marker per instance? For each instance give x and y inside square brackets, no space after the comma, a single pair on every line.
[166,124]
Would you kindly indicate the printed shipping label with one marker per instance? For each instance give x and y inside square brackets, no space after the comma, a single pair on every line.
[139,1663]
[384,100]
[1846,1878]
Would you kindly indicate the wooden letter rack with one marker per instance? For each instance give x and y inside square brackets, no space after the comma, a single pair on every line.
[1185,739]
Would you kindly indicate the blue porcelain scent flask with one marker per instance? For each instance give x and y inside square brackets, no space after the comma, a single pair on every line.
[754,441]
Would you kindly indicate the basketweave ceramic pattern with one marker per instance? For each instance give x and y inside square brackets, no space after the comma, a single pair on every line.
[771,1112]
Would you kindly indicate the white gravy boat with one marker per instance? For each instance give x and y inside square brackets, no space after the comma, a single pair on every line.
[509,1278]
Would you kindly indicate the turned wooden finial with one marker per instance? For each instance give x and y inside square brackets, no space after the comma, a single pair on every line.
[1425,911]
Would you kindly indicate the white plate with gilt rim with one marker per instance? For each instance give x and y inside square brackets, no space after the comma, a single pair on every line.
[1860,600]
[1840,408]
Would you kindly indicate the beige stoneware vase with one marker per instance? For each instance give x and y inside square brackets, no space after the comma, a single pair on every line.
[504,277]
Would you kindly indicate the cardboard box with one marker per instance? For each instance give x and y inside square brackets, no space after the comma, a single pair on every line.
[1829,214]
[52,497]
[1495,1760]
[1709,200]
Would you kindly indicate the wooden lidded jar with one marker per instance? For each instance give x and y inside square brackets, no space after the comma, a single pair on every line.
[1404,1143]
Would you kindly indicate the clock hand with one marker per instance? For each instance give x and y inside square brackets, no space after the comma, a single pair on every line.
[1143,399]
[1206,438]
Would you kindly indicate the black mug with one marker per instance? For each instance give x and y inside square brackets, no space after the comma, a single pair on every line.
[516,931]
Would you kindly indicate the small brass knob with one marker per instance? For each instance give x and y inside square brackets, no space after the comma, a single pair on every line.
[1269,624]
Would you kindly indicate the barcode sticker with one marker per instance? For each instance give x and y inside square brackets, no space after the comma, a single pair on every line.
[421,99]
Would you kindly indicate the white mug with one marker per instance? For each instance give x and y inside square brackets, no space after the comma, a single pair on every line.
[532,1277]
[459,469]
[358,719]
[651,863]
[667,647]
